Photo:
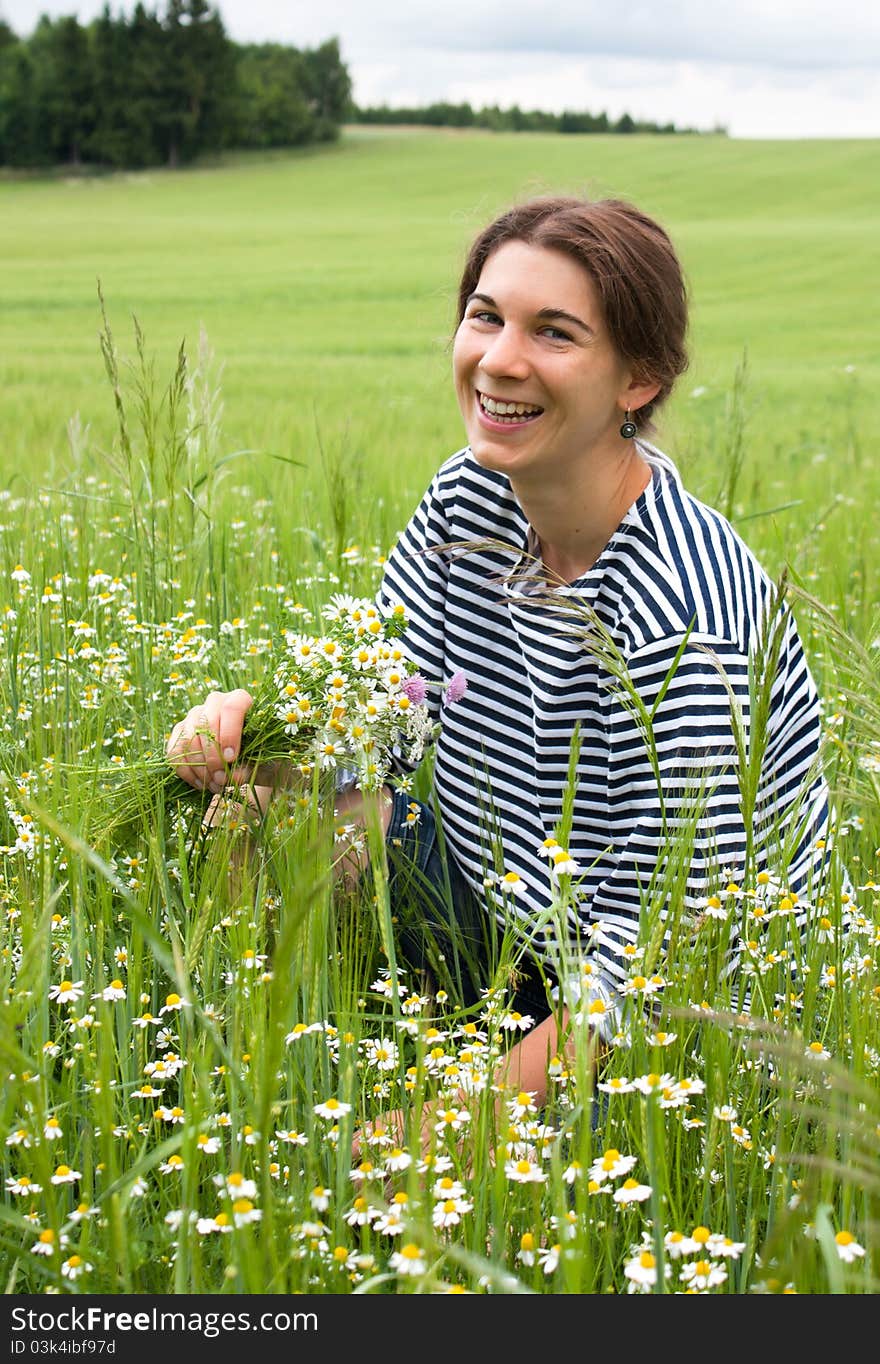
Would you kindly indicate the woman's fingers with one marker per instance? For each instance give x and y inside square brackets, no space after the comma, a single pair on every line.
[202,746]
[232,707]
[186,749]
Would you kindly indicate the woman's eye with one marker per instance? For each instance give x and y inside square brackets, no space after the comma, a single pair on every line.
[484,316]
[556,334]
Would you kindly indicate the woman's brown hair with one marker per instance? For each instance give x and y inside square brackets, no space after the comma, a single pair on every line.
[633,264]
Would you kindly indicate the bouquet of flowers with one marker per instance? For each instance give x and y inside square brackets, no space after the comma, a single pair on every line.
[344,696]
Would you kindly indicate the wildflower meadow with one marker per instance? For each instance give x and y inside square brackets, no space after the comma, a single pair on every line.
[218,1075]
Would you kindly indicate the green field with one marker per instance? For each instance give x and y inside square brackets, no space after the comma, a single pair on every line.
[193,1022]
[325,283]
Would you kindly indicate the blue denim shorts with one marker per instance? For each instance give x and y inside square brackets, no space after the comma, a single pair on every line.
[442,927]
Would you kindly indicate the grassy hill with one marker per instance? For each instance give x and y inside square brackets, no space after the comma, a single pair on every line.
[325,284]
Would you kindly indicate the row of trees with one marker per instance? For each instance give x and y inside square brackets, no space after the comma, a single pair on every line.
[514,119]
[158,89]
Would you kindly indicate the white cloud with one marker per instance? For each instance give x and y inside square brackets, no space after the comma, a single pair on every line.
[764,68]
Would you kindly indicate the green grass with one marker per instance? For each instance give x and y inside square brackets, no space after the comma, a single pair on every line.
[325,286]
[326,282]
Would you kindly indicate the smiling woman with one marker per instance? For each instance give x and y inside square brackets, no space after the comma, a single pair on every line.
[640,726]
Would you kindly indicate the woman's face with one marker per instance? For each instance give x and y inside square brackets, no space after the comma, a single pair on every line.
[538,381]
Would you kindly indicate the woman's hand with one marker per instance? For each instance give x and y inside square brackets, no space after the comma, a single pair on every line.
[203,747]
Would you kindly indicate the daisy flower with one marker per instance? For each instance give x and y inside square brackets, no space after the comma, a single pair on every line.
[332,1108]
[68,992]
[653,1083]
[848,1247]
[173,1004]
[75,1266]
[562,863]
[522,1104]
[320,1198]
[381,1053]
[83,1211]
[361,1213]
[512,884]
[703,1274]
[408,1260]
[390,1223]
[206,1225]
[642,1272]
[677,1245]
[618,1085]
[516,1022]
[115,990]
[548,1258]
[22,1186]
[631,1191]
[46,1242]
[449,1212]
[235,1185]
[173,1115]
[447,1187]
[64,1175]
[718,1244]
[243,1212]
[451,1120]
[524,1171]
[611,1165]
[291,1137]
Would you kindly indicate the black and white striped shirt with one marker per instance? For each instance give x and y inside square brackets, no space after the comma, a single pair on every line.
[676,603]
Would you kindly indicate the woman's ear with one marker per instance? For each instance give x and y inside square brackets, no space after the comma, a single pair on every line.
[638,392]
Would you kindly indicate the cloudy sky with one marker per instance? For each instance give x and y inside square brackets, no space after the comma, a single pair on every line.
[760,68]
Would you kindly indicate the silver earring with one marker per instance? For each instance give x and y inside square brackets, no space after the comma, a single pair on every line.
[628,429]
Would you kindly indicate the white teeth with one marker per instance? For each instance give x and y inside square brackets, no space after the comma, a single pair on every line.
[499,409]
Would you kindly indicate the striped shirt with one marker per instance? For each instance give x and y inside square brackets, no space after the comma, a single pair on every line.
[649,654]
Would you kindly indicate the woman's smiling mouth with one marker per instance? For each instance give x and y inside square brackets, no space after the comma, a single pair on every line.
[507,413]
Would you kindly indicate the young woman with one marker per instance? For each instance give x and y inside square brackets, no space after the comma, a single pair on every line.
[628,661]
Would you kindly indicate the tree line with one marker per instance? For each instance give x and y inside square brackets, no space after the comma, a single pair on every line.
[160,89]
[163,88]
[513,119]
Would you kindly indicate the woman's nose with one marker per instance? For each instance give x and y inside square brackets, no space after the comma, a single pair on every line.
[506,355]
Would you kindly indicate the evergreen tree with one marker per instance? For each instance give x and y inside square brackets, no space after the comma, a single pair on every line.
[144,45]
[196,103]
[327,87]
[116,138]
[65,86]
[19,109]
